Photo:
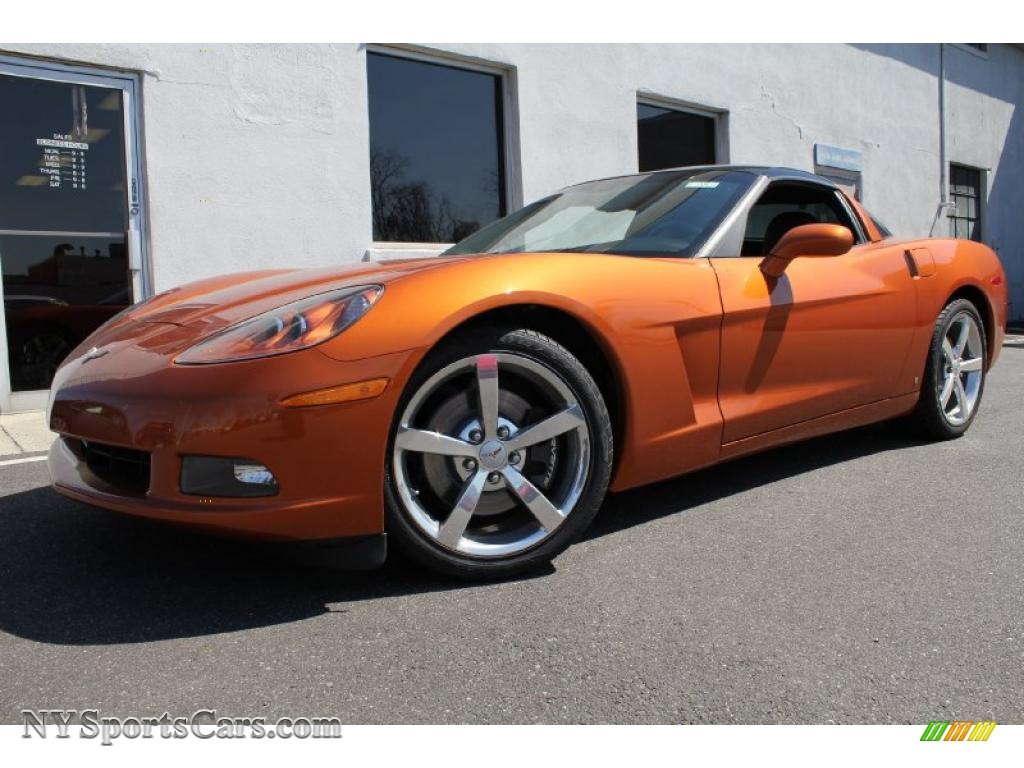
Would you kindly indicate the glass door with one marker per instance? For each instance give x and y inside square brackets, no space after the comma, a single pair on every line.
[70,217]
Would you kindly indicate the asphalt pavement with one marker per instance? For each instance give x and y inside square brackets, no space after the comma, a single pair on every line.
[858,578]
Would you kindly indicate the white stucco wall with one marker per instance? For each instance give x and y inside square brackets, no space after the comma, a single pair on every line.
[277,136]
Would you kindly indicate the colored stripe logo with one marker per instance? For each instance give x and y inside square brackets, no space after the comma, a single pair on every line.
[958,730]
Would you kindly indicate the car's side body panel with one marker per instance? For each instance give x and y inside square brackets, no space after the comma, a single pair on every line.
[664,346]
[959,265]
[834,422]
[135,396]
[829,334]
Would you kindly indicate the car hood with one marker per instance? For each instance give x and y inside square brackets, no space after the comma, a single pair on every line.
[208,306]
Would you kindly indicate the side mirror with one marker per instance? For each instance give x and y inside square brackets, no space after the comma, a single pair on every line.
[807,240]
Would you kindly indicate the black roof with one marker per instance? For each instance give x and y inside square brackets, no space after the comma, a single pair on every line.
[776,171]
[771,171]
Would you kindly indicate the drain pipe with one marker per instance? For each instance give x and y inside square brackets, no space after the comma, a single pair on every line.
[944,202]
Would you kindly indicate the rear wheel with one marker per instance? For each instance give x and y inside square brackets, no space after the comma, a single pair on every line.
[954,376]
[500,455]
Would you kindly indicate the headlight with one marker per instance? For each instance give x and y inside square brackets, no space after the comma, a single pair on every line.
[294,326]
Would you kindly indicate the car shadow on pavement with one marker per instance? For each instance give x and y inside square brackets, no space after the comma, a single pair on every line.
[680,494]
[75,575]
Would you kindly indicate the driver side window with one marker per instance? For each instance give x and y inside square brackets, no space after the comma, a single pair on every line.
[785,205]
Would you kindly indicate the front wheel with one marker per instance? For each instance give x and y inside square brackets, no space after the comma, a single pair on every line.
[500,455]
[954,376]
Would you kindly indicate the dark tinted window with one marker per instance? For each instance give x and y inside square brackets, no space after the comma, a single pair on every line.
[669,138]
[659,214]
[784,206]
[63,214]
[61,157]
[965,192]
[436,150]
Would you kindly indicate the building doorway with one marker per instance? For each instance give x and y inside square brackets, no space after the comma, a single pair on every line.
[70,217]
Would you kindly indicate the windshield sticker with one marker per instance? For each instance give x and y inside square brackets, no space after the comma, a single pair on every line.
[701,184]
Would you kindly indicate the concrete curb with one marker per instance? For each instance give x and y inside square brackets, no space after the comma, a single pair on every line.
[24,433]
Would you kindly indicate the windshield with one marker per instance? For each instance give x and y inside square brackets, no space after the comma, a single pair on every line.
[670,213]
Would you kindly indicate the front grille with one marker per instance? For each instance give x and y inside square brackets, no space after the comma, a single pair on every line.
[122,468]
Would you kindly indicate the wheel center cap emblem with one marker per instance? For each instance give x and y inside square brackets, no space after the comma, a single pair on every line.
[493,455]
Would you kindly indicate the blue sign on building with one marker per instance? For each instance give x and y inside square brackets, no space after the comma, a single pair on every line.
[838,157]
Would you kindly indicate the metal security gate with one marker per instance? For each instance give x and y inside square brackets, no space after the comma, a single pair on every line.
[72,223]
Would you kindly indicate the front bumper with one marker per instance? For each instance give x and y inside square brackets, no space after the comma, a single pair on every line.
[328,460]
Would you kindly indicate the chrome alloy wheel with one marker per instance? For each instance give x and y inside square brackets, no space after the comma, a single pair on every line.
[491,455]
[962,363]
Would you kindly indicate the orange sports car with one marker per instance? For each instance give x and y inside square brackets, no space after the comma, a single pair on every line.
[476,407]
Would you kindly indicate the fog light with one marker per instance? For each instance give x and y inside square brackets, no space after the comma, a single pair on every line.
[226,477]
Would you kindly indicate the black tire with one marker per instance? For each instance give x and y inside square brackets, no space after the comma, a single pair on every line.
[929,418]
[409,537]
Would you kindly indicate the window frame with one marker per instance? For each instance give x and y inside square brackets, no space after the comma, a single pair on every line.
[860,232]
[720,116]
[136,176]
[981,205]
[136,169]
[508,127]
[981,53]
[727,242]
[857,228]
[842,176]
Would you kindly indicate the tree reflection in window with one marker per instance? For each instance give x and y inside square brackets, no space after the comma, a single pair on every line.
[436,150]
[407,211]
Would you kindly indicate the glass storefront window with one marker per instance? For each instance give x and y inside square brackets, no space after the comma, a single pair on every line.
[63,163]
[63,219]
